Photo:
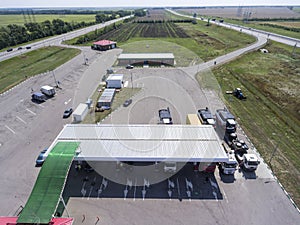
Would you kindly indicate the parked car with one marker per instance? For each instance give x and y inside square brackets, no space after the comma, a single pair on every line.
[41,158]
[67,113]
[9,50]
[127,102]
[105,107]
[129,66]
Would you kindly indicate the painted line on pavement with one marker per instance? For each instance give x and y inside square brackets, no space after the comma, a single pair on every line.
[21,120]
[66,102]
[33,113]
[10,129]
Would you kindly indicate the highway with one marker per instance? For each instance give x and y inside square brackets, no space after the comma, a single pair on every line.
[254,32]
[56,40]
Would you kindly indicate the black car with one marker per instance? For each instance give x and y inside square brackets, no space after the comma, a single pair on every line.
[20,48]
[165,116]
[127,102]
[129,66]
[9,50]
[28,47]
[67,113]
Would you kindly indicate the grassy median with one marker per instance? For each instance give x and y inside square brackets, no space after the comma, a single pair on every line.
[19,68]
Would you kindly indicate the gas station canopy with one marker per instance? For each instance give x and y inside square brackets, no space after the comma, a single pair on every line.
[144,143]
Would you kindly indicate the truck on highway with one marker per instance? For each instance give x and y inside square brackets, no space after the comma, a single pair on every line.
[38,97]
[165,116]
[225,121]
[48,90]
[206,117]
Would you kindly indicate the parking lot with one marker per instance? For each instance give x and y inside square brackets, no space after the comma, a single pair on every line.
[219,199]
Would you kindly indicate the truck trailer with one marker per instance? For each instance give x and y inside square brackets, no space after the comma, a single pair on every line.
[225,121]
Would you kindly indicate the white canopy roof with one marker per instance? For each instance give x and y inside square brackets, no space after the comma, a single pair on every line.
[181,143]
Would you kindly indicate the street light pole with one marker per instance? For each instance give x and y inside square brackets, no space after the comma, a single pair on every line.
[54,78]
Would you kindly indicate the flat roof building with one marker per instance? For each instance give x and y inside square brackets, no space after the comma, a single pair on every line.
[154,59]
[104,45]
[107,97]
[114,81]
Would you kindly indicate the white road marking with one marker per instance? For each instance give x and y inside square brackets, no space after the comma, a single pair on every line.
[41,106]
[10,129]
[21,120]
[33,113]
[68,101]
[21,100]
[224,195]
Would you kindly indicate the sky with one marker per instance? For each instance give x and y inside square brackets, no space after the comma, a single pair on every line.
[139,3]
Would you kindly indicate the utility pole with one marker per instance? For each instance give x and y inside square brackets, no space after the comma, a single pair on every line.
[54,78]
[273,153]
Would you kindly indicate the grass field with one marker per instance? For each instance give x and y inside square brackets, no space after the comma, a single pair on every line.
[259,25]
[19,68]
[291,24]
[241,11]
[270,115]
[19,19]
[206,42]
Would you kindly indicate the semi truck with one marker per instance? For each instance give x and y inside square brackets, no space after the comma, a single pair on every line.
[206,117]
[48,90]
[230,166]
[248,162]
[225,121]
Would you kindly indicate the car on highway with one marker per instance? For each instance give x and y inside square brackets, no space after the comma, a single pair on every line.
[41,158]
[9,50]
[28,47]
[129,66]
[20,48]
[127,102]
[67,113]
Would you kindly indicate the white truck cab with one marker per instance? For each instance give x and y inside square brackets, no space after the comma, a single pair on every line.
[170,167]
[249,162]
[230,166]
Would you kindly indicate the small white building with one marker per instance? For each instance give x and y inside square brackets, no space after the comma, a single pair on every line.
[114,81]
[80,112]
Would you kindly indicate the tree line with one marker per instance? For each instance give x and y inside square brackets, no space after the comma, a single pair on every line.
[14,34]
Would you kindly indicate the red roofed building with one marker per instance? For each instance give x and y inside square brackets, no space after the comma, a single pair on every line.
[104,45]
